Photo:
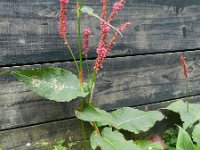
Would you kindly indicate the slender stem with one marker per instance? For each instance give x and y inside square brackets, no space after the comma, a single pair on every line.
[88,70]
[82,3]
[91,90]
[96,128]
[187,92]
[84,135]
[79,36]
[68,46]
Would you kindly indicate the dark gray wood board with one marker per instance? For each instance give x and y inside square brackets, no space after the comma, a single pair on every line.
[124,81]
[28,29]
[17,139]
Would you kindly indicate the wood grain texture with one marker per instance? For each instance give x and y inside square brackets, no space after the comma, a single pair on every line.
[16,139]
[28,29]
[124,81]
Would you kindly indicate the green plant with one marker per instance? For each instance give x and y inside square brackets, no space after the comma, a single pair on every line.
[170,138]
[61,85]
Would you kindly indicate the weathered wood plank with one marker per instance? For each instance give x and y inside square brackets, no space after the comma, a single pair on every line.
[28,29]
[124,81]
[16,139]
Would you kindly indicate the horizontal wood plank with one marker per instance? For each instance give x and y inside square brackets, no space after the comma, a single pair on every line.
[28,29]
[17,139]
[35,136]
[124,81]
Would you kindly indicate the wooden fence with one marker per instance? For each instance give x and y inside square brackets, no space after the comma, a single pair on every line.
[143,69]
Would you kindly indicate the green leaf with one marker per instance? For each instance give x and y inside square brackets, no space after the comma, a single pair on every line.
[52,83]
[196,134]
[111,140]
[148,145]
[184,141]
[197,147]
[189,117]
[88,10]
[126,118]
[1,148]
[91,114]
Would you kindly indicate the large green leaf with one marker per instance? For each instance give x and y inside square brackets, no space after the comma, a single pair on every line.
[126,118]
[197,147]
[111,140]
[196,134]
[184,141]
[52,83]
[188,116]
[90,113]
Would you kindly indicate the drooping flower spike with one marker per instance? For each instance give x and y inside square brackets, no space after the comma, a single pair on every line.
[62,19]
[87,33]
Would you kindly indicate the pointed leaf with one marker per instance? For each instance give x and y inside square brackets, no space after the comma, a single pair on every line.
[190,116]
[88,10]
[196,134]
[91,114]
[126,118]
[111,140]
[135,120]
[52,83]
[184,141]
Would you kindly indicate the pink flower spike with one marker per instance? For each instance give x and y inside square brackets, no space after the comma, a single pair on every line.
[116,8]
[184,66]
[87,33]
[121,29]
[124,26]
[104,50]
[62,19]
[102,53]
[64,1]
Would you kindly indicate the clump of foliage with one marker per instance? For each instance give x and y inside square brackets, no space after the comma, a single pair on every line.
[170,138]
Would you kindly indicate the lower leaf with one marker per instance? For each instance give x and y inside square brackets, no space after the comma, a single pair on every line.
[111,140]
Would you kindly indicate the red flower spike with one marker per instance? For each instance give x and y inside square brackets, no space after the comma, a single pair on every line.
[103,50]
[116,8]
[105,29]
[121,29]
[184,66]
[103,15]
[62,19]
[87,33]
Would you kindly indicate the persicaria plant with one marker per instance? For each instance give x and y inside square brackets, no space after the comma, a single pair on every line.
[62,85]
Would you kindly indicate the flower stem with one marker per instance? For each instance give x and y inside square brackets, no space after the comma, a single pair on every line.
[79,38]
[96,128]
[91,90]
[187,92]
[68,46]
[82,3]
